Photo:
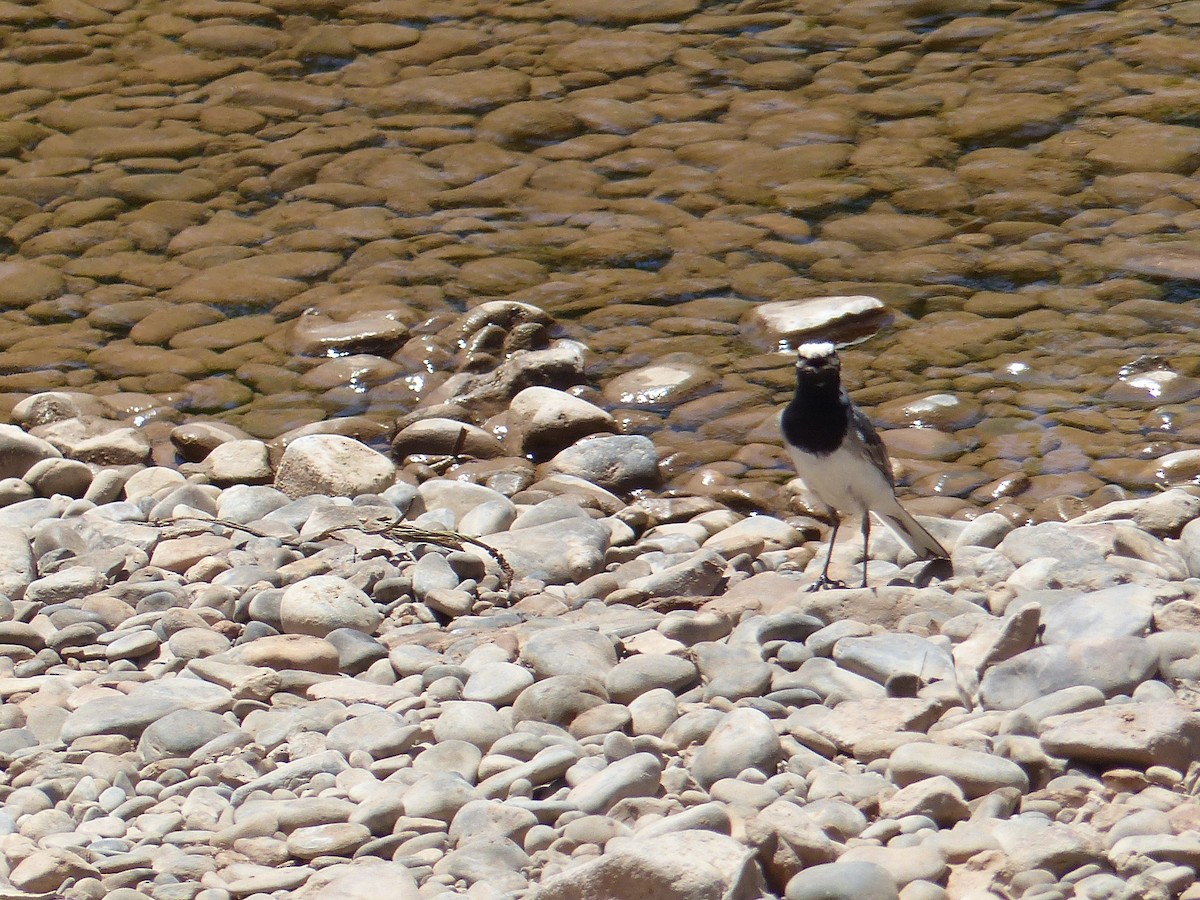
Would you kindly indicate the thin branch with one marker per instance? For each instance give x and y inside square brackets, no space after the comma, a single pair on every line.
[394,530]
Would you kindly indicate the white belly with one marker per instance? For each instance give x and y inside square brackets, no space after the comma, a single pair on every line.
[849,485]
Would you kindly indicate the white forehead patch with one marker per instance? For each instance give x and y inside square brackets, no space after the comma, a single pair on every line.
[816,350]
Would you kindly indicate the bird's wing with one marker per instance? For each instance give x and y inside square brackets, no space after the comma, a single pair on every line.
[862,431]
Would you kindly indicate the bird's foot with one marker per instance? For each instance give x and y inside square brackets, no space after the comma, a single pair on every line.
[825,582]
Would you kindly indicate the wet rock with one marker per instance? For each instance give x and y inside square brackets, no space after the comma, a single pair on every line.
[439,436]
[618,463]
[672,380]
[543,421]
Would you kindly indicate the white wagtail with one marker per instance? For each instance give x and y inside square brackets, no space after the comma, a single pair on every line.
[841,459]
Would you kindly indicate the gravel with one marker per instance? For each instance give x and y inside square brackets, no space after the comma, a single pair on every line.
[214,692]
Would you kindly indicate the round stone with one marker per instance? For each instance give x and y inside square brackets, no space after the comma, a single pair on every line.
[319,604]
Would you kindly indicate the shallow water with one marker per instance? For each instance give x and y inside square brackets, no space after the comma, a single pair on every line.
[179,183]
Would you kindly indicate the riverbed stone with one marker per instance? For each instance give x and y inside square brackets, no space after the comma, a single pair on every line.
[333,465]
[322,603]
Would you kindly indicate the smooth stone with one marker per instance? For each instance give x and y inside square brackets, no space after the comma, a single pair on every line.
[938,798]
[46,870]
[460,497]
[790,322]
[672,380]
[558,699]
[636,675]
[334,466]
[322,603]
[380,733]
[569,651]
[451,756]
[850,880]
[977,773]
[333,839]
[562,552]
[497,684]
[634,776]
[438,795]
[618,462]
[365,879]
[181,732]
[743,739]
[240,462]
[432,573]
[442,437]
[732,672]
[292,651]
[903,863]
[1112,665]
[291,775]
[243,503]
[543,421]
[880,657]
[1124,610]
[20,451]
[682,865]
[697,576]
[126,715]
[471,721]
[1156,733]
[17,566]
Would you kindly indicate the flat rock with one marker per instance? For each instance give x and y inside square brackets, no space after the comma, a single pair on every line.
[564,552]
[1163,733]
[977,773]
[1112,665]
[789,323]
[1124,610]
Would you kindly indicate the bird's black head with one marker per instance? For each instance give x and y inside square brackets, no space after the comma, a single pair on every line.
[818,363]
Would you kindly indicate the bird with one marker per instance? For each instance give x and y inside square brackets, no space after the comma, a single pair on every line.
[841,459]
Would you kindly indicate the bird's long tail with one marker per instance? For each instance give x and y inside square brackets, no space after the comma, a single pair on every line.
[913,533]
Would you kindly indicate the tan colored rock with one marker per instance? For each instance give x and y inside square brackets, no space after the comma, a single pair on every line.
[791,322]
[292,651]
[332,465]
[180,554]
[239,462]
[543,421]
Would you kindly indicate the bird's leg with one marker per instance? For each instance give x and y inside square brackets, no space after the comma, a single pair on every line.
[825,581]
[866,532]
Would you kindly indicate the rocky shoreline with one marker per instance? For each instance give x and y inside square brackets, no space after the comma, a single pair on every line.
[496,663]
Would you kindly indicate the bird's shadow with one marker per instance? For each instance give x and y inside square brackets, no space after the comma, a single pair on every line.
[933,570]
